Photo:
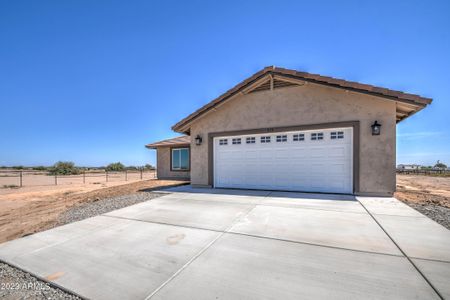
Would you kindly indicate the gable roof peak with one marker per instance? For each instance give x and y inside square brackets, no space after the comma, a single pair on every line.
[260,77]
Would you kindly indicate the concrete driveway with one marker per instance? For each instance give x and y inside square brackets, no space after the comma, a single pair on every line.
[229,244]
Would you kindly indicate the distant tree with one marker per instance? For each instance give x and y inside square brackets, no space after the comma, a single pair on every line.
[118,166]
[149,167]
[18,167]
[40,168]
[132,168]
[64,168]
[440,165]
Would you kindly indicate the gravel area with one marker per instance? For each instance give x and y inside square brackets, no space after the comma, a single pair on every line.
[16,284]
[437,213]
[99,207]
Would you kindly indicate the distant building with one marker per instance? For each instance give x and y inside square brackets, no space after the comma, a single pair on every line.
[408,167]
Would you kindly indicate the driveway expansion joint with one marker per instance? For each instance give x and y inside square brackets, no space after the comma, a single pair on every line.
[255,236]
[198,254]
[163,223]
[403,252]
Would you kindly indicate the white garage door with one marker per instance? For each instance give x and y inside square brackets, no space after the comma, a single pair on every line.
[313,161]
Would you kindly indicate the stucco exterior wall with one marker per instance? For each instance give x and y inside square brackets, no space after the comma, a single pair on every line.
[163,166]
[305,105]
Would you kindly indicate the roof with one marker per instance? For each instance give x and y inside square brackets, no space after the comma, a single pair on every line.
[407,104]
[183,140]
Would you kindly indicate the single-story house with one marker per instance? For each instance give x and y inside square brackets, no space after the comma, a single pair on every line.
[281,129]
[408,167]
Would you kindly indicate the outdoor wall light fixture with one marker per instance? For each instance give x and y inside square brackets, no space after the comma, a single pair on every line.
[198,140]
[376,128]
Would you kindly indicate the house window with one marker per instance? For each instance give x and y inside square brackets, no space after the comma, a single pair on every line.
[298,137]
[281,138]
[223,142]
[337,135]
[317,136]
[265,139]
[180,159]
[236,141]
[250,140]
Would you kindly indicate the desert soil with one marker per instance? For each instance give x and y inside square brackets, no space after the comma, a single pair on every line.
[429,195]
[32,209]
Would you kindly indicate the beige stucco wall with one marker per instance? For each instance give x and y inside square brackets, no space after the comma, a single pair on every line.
[304,105]
[163,166]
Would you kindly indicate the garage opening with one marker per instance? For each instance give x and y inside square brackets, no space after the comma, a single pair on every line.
[311,161]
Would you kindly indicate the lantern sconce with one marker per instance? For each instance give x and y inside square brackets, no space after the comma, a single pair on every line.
[376,128]
[198,140]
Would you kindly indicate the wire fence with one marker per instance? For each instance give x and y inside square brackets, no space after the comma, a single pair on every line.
[41,178]
[424,172]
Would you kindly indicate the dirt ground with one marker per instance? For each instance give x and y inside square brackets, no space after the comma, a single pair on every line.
[424,190]
[31,209]
[37,178]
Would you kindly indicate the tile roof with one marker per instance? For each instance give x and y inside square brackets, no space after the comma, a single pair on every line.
[416,101]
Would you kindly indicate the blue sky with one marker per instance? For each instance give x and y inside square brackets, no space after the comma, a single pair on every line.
[93,81]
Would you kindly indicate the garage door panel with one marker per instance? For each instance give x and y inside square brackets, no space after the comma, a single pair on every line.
[321,165]
[335,152]
[317,152]
[299,152]
[337,168]
[251,155]
[282,154]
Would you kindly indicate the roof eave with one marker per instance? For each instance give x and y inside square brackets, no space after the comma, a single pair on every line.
[151,146]
[183,126]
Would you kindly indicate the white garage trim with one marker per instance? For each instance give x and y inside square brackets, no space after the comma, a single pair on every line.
[310,158]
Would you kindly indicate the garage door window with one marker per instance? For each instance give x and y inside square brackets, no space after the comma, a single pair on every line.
[298,137]
[317,136]
[180,159]
[265,139]
[337,135]
[250,140]
[281,138]
[236,141]
[223,142]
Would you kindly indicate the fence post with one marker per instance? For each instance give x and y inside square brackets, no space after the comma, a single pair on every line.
[126,175]
[56,179]
[106,172]
[84,177]
[141,174]
[21,175]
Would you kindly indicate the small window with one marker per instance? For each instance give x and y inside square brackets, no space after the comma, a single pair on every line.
[223,142]
[236,141]
[180,159]
[298,137]
[265,139]
[337,135]
[250,140]
[317,136]
[281,138]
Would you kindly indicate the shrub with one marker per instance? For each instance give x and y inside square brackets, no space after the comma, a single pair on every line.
[149,167]
[64,168]
[10,186]
[118,166]
[40,168]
